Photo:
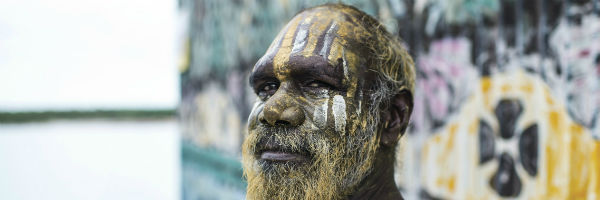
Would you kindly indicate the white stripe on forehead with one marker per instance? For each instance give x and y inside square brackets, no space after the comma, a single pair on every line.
[273,48]
[301,35]
[300,40]
[328,39]
[339,113]
[277,43]
[261,61]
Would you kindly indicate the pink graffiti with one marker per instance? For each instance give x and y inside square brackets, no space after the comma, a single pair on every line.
[443,81]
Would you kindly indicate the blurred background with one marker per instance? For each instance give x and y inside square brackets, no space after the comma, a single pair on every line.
[88,98]
[149,100]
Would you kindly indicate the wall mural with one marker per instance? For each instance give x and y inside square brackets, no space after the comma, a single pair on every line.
[512,138]
[507,103]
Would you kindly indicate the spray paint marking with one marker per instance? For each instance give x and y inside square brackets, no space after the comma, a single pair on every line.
[339,113]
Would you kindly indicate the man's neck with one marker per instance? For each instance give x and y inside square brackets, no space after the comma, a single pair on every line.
[380,183]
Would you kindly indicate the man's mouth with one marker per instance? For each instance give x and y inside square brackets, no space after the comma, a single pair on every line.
[280,156]
[276,152]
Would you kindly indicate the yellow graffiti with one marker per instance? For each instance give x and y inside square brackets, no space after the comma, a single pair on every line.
[568,157]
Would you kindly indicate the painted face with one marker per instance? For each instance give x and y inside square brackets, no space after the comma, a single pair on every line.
[310,133]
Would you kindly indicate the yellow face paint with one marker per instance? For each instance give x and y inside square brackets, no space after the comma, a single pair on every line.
[310,83]
[312,69]
[329,37]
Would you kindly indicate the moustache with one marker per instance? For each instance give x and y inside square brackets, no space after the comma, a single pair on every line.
[284,139]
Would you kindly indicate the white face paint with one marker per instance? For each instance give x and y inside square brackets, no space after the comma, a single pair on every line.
[345,64]
[328,38]
[339,113]
[360,97]
[320,113]
[300,40]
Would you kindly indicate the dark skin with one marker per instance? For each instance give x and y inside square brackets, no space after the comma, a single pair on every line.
[315,78]
[380,184]
[312,74]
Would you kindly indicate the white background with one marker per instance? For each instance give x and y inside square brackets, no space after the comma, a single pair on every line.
[88,54]
[105,160]
[83,55]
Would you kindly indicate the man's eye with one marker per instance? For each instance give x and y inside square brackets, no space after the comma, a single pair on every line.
[269,86]
[318,84]
[267,89]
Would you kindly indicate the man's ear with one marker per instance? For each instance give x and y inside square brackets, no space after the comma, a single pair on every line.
[395,118]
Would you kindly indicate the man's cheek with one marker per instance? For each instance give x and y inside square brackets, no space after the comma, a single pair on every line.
[320,112]
[357,115]
[329,114]
[253,117]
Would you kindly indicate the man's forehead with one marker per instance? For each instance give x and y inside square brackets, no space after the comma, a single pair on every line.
[328,32]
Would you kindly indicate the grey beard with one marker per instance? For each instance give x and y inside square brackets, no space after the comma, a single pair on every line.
[339,162]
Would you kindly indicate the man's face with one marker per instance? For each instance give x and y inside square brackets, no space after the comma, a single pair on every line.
[311,134]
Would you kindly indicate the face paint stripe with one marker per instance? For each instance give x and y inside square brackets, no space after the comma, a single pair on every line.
[360,100]
[277,43]
[321,39]
[302,33]
[320,113]
[329,36]
[282,55]
[273,48]
[345,64]
[339,113]
[317,34]
[300,40]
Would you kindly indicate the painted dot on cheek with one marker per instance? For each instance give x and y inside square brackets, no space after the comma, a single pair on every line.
[339,113]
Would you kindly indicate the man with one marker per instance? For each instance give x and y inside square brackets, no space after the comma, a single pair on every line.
[335,95]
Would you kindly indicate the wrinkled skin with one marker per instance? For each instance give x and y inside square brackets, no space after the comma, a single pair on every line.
[312,134]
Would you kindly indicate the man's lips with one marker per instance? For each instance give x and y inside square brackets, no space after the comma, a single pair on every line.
[270,149]
[280,156]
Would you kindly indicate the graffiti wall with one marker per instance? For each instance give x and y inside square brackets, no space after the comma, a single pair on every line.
[507,102]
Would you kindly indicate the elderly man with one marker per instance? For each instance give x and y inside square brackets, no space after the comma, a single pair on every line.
[335,95]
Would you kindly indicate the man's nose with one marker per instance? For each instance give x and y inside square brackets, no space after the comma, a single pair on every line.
[281,110]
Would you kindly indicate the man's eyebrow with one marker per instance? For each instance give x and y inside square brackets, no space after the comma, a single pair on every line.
[262,70]
[317,66]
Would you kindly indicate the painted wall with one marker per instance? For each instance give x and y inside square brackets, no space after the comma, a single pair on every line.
[507,102]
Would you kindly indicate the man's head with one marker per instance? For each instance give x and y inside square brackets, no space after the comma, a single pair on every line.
[335,94]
